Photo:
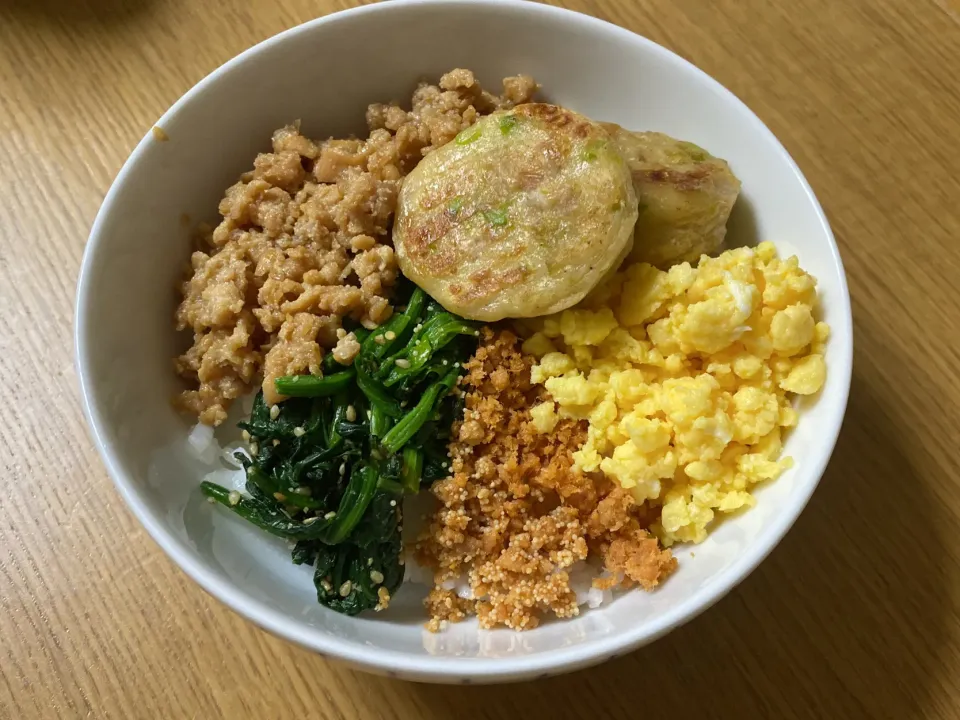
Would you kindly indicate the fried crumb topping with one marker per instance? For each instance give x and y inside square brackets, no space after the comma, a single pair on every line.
[515,516]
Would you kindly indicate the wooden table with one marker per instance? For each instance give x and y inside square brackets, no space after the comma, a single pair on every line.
[853,616]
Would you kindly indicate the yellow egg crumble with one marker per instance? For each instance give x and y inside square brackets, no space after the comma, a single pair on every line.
[686,378]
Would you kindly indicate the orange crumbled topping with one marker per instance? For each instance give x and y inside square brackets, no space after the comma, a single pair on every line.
[515,516]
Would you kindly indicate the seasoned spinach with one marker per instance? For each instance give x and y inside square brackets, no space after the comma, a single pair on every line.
[330,465]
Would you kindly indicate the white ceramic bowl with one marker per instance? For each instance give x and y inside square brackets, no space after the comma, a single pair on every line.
[326,72]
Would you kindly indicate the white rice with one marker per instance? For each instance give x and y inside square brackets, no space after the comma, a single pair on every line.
[581,582]
[597,597]
[202,444]
[414,573]
[230,479]
[228,452]
[460,585]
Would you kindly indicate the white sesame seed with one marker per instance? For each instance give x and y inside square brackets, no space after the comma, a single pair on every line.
[310,520]
[343,469]
[378,339]
[390,335]
[245,435]
[418,327]
[325,584]
[299,431]
[393,503]
[254,449]
[351,413]
[376,577]
[233,497]
[330,515]
[211,500]
[402,363]
[274,412]
[276,442]
[346,588]
[369,562]
[444,362]
[302,490]
[476,333]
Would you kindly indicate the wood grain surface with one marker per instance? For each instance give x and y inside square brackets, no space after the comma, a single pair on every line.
[853,616]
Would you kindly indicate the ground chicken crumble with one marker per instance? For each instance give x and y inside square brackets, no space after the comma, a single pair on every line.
[515,516]
[305,242]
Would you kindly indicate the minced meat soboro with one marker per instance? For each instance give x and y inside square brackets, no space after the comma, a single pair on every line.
[305,242]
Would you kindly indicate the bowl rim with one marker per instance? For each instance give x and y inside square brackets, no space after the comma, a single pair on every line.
[428,667]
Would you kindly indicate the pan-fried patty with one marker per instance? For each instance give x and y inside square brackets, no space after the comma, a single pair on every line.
[522,214]
[685,196]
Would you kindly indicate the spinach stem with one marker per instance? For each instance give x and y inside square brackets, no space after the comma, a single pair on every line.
[313,386]
[412,469]
[401,433]
[273,521]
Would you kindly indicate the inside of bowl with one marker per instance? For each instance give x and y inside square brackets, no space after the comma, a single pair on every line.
[317,75]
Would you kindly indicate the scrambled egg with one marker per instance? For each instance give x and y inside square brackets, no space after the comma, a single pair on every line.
[686,379]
